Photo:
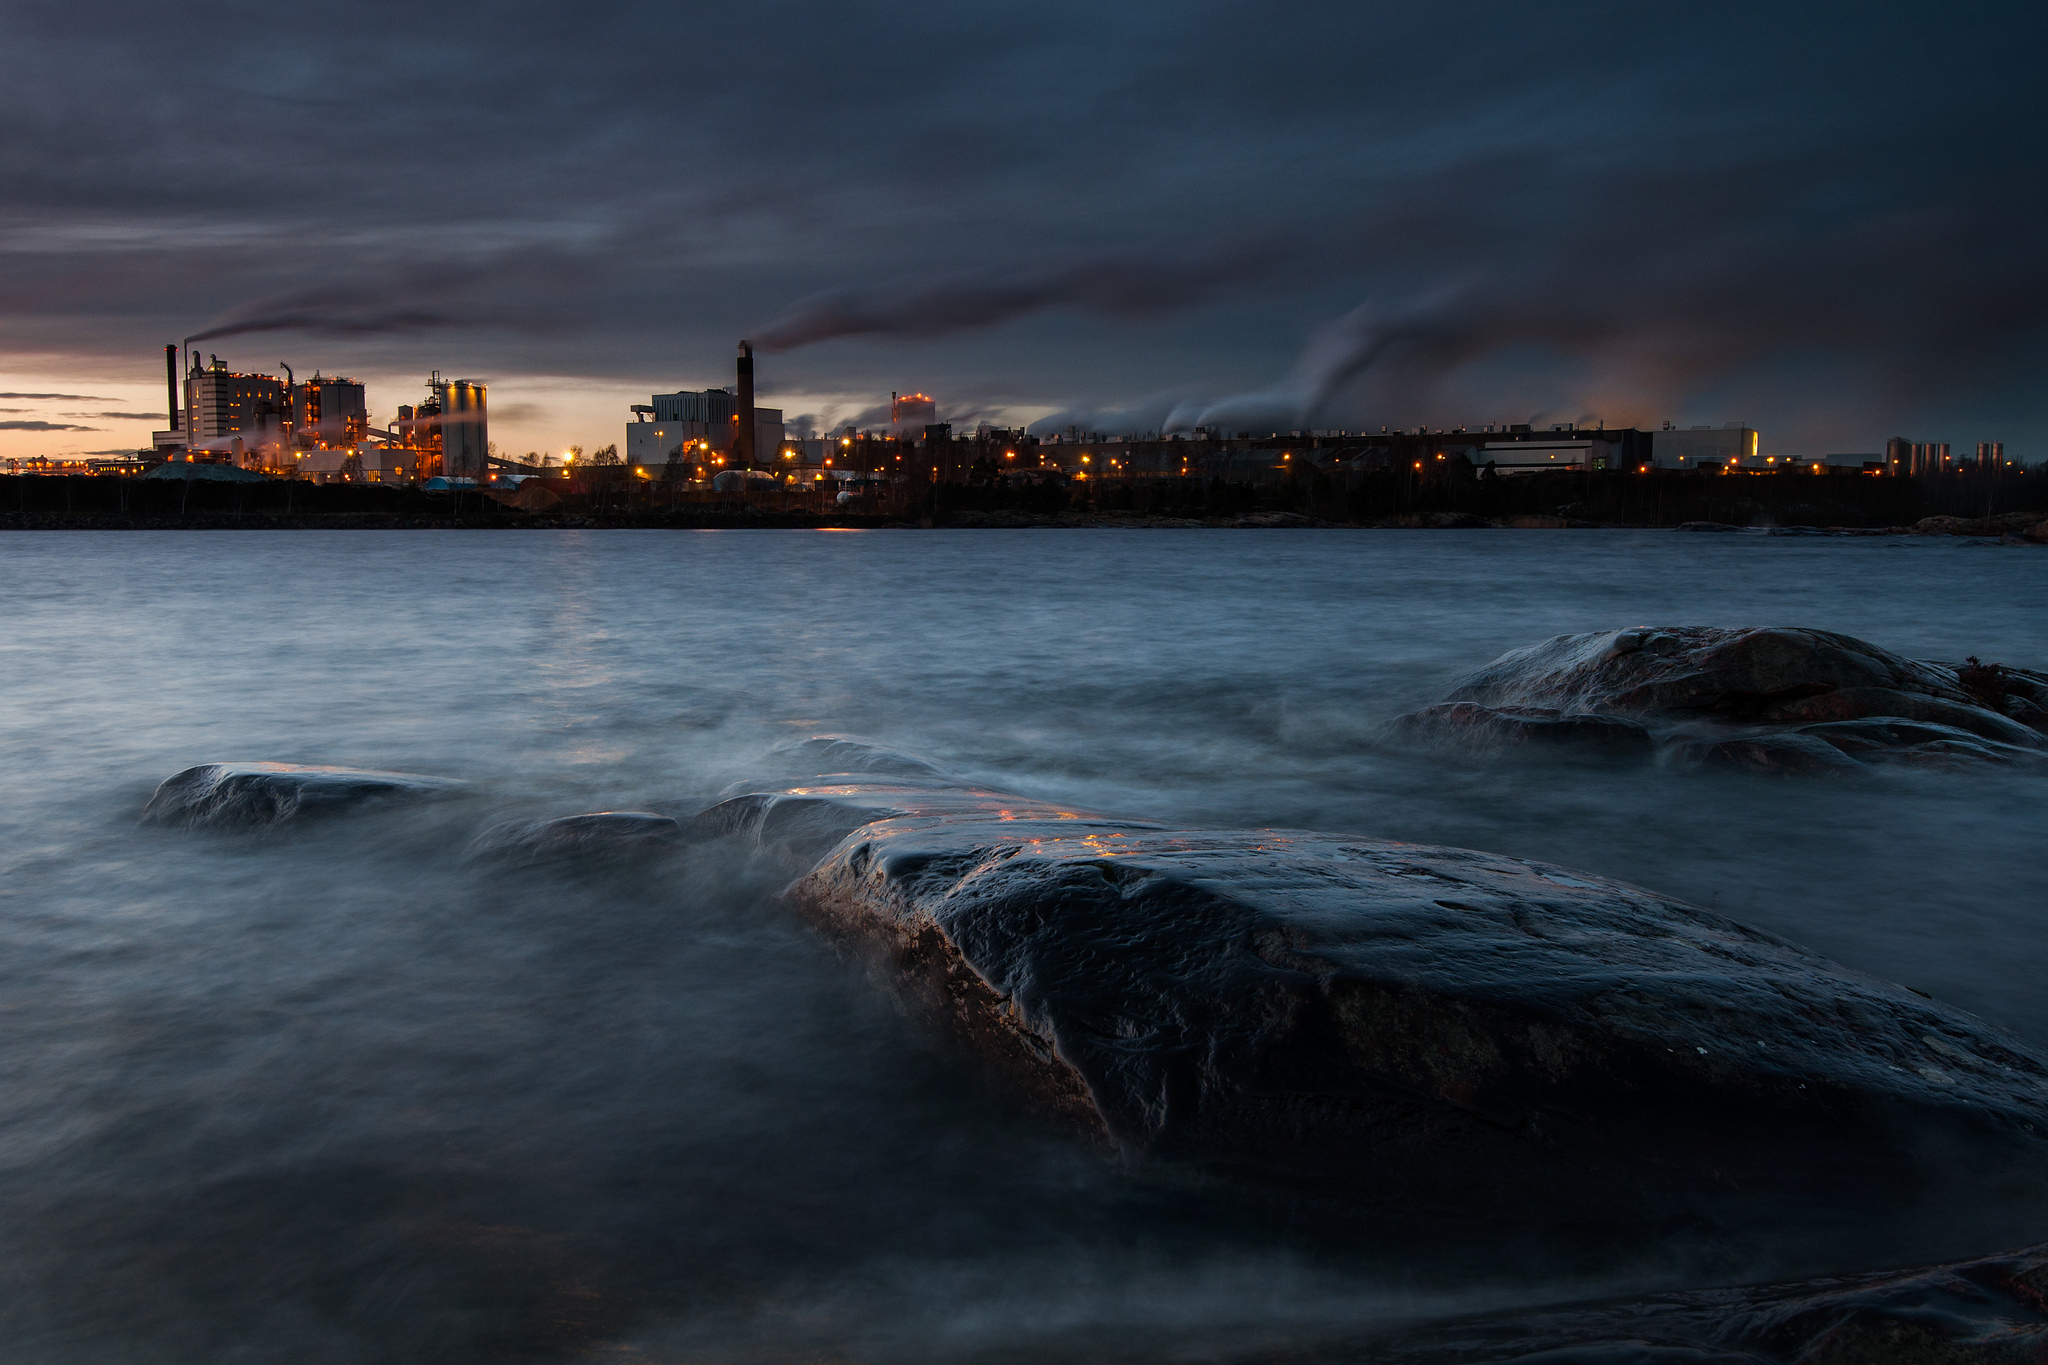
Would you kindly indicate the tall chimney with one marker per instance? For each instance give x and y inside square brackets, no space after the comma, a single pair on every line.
[171,381]
[743,439]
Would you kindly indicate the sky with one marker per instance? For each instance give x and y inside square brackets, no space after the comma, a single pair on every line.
[1822,220]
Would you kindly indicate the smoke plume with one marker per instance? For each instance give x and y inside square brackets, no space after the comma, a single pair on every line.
[369,323]
[1118,284]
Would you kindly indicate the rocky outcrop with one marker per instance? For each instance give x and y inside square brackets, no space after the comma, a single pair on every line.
[247,795]
[607,832]
[1416,1031]
[1772,700]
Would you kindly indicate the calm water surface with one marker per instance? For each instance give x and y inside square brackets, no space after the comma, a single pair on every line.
[339,1095]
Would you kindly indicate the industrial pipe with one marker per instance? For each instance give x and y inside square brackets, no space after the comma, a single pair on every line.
[743,439]
[171,383]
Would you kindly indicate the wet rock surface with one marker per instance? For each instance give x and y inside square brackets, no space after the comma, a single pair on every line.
[600,832]
[1415,1032]
[1989,1311]
[254,795]
[1770,700]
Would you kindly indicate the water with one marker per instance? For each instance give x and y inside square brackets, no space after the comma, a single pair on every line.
[338,1095]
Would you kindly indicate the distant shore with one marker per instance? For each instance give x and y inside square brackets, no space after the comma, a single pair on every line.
[2012,527]
[1563,500]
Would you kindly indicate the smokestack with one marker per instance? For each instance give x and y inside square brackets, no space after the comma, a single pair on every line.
[743,439]
[171,382]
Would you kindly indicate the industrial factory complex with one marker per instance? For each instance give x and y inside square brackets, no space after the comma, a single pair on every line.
[316,428]
[224,423]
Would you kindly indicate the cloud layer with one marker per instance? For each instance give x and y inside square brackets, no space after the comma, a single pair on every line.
[1332,215]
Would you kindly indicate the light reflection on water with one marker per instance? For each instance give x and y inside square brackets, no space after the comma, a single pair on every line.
[338,1095]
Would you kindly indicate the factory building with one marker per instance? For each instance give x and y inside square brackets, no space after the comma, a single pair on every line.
[221,404]
[1731,446]
[463,426]
[319,428]
[1519,453]
[675,423]
[1922,459]
[327,412]
[448,434]
[910,414]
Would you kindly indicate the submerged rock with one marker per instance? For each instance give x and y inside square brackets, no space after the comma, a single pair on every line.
[1744,698]
[1893,739]
[1416,1031]
[1784,753]
[1532,729]
[1697,670]
[843,754]
[1989,1311]
[229,795]
[609,831]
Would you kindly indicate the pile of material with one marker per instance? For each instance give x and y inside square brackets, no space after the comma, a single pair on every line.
[531,496]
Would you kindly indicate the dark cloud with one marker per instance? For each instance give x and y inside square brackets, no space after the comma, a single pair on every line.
[68,397]
[119,416]
[42,426]
[1331,214]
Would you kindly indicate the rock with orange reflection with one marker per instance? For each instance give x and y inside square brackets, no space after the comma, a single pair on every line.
[1410,1030]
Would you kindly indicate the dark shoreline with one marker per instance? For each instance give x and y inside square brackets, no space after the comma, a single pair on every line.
[1562,501]
[2017,528]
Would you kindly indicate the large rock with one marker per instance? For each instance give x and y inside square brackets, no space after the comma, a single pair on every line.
[1417,1031]
[230,795]
[1741,697]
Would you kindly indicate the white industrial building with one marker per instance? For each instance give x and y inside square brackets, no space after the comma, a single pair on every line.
[672,423]
[1704,447]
